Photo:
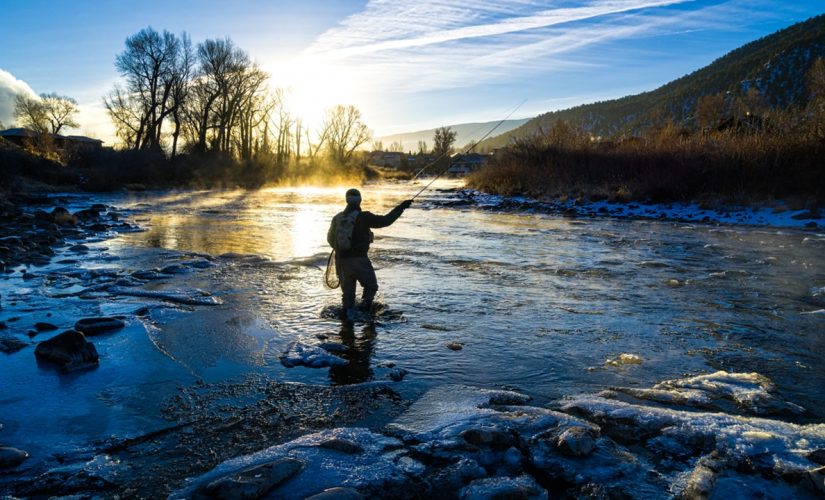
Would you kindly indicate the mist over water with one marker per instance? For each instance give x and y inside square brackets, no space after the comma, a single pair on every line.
[538,303]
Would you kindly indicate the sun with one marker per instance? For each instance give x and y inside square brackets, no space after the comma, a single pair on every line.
[312,86]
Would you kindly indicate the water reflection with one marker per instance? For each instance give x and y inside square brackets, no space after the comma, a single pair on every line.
[358,353]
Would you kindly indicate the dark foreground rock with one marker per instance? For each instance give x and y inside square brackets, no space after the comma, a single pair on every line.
[11,457]
[69,351]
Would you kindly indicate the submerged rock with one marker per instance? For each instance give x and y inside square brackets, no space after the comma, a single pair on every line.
[9,344]
[69,350]
[96,326]
[11,457]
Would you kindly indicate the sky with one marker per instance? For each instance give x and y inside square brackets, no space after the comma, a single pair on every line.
[406,64]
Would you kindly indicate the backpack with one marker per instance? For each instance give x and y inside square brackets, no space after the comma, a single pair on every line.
[344,227]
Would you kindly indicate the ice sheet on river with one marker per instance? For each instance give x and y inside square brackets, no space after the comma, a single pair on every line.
[192,297]
[478,443]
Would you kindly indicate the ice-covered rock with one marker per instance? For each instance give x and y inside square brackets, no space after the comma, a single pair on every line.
[254,482]
[313,356]
[750,392]
[523,487]
[772,447]
[624,359]
[377,469]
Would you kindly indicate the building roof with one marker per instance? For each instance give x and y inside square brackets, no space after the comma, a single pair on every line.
[24,132]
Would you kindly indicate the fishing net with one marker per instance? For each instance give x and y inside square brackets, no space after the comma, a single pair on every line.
[331,275]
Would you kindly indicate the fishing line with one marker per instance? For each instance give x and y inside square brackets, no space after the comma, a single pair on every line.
[469,148]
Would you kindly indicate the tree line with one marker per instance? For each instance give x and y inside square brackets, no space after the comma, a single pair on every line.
[213,99]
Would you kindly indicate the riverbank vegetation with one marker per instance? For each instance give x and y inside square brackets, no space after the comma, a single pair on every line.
[739,151]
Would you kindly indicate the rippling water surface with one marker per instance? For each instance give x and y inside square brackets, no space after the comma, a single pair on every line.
[539,303]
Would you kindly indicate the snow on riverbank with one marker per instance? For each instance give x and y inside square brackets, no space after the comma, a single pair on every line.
[774,216]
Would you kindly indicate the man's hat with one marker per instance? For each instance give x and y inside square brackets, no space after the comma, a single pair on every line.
[353,197]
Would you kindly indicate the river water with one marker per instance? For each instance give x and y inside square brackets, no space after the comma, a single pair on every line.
[537,302]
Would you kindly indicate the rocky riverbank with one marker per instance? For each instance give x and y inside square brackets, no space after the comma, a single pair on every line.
[710,435]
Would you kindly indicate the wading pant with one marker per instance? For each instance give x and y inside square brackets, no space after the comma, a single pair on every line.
[352,269]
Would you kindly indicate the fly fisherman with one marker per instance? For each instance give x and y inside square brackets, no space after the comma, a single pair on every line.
[349,234]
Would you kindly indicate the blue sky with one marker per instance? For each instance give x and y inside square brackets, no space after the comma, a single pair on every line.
[407,64]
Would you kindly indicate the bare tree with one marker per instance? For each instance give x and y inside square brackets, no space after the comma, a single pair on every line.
[29,113]
[710,111]
[443,141]
[155,66]
[422,147]
[344,132]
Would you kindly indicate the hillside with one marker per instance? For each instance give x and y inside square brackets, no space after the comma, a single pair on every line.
[465,133]
[775,65]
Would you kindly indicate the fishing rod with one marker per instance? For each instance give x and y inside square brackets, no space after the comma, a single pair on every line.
[466,151]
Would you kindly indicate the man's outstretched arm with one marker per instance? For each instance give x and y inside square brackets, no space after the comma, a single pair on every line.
[379,221]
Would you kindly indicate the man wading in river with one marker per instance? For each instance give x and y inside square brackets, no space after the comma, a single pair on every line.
[349,234]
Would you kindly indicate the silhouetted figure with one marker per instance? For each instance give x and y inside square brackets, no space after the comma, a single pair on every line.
[349,234]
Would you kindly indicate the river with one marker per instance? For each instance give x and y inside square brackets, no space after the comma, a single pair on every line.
[533,302]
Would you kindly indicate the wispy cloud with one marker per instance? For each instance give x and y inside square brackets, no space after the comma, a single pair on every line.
[419,45]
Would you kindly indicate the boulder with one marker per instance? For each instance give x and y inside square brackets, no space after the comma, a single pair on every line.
[254,482]
[11,457]
[96,326]
[69,350]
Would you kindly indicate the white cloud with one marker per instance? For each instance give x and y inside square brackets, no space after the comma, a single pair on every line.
[421,45]
[10,88]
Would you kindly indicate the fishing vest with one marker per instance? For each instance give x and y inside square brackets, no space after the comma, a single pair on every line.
[344,227]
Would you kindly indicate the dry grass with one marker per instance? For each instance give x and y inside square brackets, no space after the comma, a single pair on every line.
[667,165]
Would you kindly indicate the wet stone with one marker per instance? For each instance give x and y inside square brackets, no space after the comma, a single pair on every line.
[397,374]
[488,437]
[455,346]
[44,327]
[69,350]
[96,326]
[79,248]
[11,457]
[343,445]
[9,344]
[254,482]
